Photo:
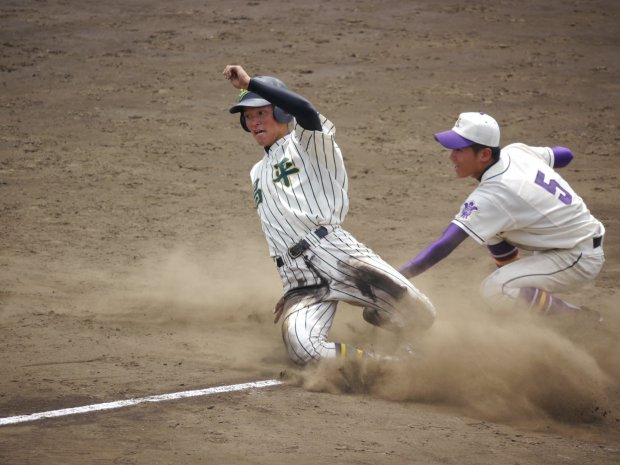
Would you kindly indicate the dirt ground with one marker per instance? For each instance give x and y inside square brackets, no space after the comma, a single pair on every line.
[132,262]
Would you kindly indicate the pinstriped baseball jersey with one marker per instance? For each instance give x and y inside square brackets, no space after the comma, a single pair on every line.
[522,200]
[300,190]
[300,184]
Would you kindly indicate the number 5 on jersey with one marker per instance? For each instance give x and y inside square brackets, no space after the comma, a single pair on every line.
[552,187]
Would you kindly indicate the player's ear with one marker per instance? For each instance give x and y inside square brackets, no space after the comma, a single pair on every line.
[487,154]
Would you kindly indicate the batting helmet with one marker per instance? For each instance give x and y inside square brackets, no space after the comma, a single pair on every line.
[253,100]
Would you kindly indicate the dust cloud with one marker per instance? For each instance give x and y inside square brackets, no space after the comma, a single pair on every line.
[190,286]
[496,367]
[500,367]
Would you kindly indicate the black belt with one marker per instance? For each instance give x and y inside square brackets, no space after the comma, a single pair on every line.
[597,241]
[296,250]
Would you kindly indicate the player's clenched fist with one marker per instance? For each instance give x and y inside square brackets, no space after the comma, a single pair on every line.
[237,76]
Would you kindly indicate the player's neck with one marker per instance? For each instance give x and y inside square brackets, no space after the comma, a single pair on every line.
[485,169]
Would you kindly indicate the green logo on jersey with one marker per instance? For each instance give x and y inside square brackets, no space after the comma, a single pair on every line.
[258,194]
[283,170]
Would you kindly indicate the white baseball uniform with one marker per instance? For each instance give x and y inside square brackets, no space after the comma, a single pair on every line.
[525,202]
[300,190]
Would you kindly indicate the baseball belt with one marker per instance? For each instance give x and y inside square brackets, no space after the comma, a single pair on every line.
[296,250]
[597,241]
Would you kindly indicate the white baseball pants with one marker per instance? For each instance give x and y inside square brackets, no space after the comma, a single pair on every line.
[339,268]
[551,271]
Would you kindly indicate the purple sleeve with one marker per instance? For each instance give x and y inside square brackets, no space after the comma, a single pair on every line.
[503,253]
[562,155]
[435,252]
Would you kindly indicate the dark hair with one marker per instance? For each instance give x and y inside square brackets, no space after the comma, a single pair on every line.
[494,150]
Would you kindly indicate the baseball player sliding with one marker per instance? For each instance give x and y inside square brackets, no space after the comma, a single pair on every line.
[300,190]
[521,202]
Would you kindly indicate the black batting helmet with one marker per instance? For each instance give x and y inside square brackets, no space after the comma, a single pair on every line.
[253,100]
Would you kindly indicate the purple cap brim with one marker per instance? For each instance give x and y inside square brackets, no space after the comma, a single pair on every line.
[451,140]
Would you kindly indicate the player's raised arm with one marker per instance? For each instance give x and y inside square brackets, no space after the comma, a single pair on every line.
[279,95]
[301,108]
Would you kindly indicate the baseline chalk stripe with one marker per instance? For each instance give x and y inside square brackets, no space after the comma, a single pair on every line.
[136,401]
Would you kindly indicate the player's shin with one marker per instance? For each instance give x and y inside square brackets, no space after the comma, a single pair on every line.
[544,303]
[345,351]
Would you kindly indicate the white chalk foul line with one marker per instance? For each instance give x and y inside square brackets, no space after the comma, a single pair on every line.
[139,400]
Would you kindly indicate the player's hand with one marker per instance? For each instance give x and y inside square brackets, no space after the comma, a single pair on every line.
[279,309]
[237,76]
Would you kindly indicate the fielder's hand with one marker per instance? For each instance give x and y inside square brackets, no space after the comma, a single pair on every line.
[279,309]
[237,76]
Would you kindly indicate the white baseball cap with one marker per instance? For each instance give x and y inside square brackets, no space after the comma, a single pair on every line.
[471,128]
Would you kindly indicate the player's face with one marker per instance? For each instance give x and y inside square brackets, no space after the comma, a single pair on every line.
[263,126]
[467,162]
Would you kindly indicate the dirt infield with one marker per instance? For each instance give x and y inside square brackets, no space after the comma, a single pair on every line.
[132,262]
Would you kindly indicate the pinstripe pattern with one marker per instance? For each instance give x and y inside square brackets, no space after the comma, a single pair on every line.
[301,184]
[346,270]
[316,193]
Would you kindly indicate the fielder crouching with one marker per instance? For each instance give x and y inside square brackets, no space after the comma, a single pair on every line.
[520,203]
[300,189]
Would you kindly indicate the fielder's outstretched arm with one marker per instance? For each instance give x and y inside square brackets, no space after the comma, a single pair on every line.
[435,252]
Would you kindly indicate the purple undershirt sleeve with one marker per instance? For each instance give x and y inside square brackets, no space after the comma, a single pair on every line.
[562,156]
[500,249]
[503,253]
[435,252]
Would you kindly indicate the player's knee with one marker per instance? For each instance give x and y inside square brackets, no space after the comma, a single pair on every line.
[413,310]
[298,345]
[417,311]
[298,356]
[496,293]
[372,316]
[491,289]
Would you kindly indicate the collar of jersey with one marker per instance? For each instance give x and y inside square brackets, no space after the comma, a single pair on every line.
[276,144]
[497,168]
